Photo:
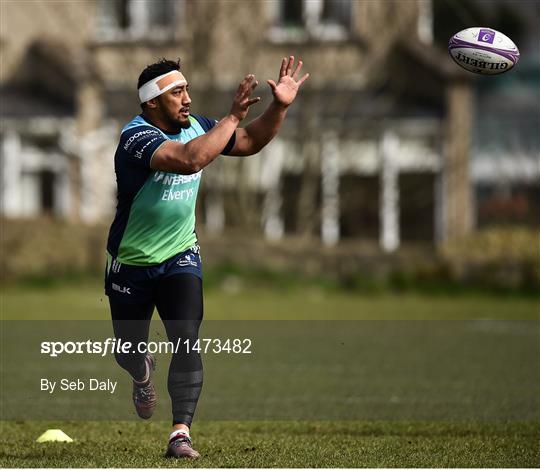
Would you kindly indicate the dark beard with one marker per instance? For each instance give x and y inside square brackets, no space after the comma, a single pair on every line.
[174,126]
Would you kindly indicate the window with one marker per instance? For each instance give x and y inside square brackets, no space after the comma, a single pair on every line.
[336,12]
[299,20]
[136,19]
[46,186]
[292,12]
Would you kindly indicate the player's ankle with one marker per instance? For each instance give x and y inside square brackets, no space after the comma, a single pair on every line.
[143,378]
[179,429]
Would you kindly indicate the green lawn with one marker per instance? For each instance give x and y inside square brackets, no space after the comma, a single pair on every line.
[87,301]
[380,380]
[278,444]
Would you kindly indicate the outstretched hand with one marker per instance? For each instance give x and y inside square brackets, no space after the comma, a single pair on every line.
[288,84]
[242,100]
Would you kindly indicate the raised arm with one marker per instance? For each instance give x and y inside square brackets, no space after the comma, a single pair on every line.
[259,132]
[189,158]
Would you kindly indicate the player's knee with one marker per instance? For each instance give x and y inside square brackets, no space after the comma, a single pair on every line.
[190,330]
[183,330]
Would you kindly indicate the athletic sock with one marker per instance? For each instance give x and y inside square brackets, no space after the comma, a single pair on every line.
[179,432]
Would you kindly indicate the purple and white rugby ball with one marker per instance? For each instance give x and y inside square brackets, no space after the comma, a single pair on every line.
[483,50]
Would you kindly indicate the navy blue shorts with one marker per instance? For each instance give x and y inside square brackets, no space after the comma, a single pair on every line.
[138,283]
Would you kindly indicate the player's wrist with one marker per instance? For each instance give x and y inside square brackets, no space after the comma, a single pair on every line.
[234,119]
[279,105]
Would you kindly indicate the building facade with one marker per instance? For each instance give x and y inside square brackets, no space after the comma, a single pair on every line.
[377,144]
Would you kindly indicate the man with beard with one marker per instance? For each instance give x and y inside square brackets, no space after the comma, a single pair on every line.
[152,252]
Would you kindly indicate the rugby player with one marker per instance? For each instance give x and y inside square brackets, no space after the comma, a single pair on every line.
[153,255]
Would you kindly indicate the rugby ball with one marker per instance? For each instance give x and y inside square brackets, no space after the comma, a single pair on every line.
[483,50]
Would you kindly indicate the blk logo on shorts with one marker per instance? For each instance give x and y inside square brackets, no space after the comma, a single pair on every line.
[122,290]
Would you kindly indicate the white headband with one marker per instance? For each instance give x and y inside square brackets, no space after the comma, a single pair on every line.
[160,85]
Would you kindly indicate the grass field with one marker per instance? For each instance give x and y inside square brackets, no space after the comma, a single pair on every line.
[279,444]
[87,301]
[301,443]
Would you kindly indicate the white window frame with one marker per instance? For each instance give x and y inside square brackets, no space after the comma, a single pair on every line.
[313,27]
[424,23]
[140,27]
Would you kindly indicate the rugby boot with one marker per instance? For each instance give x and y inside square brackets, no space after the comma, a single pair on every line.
[144,393]
[180,446]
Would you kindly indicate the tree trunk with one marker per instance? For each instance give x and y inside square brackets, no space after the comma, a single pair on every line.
[457,183]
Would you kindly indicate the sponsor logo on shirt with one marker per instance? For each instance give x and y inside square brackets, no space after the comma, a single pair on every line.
[139,153]
[172,179]
[139,135]
[184,194]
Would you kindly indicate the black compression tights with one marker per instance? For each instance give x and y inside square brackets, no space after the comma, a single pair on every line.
[180,306]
